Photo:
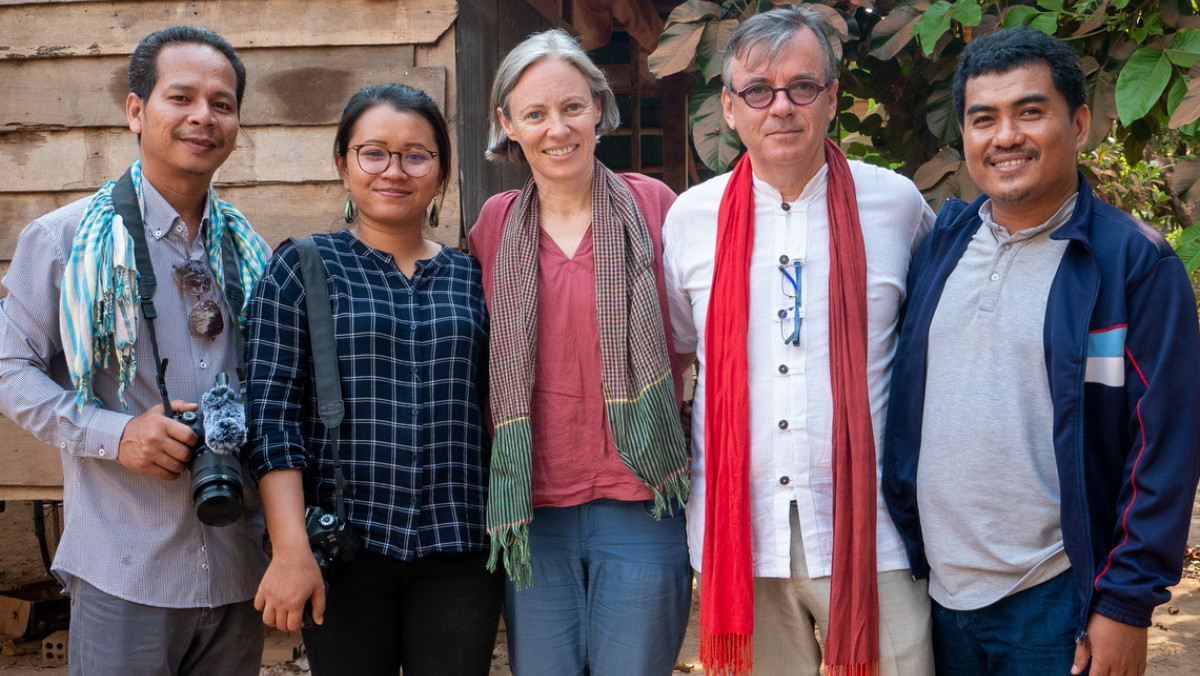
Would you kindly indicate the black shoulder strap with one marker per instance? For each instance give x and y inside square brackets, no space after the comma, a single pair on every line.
[317,302]
[125,203]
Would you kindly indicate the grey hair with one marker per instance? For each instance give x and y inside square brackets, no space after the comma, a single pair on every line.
[555,43]
[762,36]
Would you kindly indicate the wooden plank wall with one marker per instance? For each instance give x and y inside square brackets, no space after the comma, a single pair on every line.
[486,33]
[62,94]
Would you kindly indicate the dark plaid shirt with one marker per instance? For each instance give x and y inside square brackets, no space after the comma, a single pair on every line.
[412,355]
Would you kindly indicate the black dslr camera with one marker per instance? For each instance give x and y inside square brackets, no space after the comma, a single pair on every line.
[216,474]
[332,539]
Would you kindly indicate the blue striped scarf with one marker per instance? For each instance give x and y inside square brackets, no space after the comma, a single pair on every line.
[98,309]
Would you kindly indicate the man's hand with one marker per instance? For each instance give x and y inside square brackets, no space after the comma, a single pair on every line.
[1114,648]
[292,579]
[156,445]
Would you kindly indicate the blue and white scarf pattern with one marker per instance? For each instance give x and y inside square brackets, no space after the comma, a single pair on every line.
[99,306]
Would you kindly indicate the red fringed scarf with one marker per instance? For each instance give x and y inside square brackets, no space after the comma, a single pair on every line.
[727,580]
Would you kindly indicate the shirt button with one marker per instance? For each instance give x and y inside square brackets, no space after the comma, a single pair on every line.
[782,314]
[158,233]
[783,368]
[1007,247]
[412,500]
[784,480]
[411,291]
[413,369]
[783,424]
[102,452]
[785,206]
[204,566]
[995,276]
[203,364]
[416,411]
[203,548]
[784,260]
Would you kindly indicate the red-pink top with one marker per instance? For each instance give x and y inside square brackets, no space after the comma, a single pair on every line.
[574,458]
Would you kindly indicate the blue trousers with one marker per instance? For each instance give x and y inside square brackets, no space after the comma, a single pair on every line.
[1030,633]
[611,592]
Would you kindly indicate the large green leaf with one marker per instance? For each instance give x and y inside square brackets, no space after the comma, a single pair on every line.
[676,49]
[1184,50]
[709,53]
[1046,23]
[1141,83]
[1019,15]
[717,144]
[894,32]
[967,12]
[933,25]
[1188,247]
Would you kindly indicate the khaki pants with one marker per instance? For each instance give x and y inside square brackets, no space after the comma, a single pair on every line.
[788,613]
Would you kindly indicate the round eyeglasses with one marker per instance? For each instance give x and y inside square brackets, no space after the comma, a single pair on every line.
[414,162]
[800,92]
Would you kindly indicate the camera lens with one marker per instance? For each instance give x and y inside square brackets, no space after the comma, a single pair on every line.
[216,487]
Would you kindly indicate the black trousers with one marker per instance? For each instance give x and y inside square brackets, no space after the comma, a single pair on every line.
[435,616]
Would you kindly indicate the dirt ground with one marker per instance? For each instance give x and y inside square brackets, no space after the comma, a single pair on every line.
[1174,637]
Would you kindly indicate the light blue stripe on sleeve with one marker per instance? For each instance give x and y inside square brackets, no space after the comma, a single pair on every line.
[1107,342]
[1106,352]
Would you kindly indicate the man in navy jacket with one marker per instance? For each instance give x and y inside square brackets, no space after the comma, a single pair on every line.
[1043,439]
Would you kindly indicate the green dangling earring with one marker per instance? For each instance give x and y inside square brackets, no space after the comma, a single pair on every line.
[349,212]
[433,215]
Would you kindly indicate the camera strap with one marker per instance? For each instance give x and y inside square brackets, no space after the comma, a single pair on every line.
[125,203]
[330,407]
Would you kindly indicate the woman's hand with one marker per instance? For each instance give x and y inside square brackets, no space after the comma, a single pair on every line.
[292,581]
[293,578]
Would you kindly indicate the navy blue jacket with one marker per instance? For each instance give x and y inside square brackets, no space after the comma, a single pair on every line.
[1128,454]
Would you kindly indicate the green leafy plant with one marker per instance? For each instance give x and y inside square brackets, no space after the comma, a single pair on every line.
[1141,59]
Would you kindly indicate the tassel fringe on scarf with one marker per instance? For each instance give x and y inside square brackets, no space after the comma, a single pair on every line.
[639,394]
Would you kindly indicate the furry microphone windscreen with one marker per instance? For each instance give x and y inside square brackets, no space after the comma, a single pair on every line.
[224,420]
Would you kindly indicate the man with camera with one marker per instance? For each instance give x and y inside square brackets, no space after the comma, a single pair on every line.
[154,589]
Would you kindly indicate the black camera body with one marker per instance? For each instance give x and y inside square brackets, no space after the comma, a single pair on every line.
[216,477]
[331,539]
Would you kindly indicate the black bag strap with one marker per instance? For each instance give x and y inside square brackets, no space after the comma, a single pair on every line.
[318,303]
[125,203]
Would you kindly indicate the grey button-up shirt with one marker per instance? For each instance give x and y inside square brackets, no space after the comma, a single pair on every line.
[128,534]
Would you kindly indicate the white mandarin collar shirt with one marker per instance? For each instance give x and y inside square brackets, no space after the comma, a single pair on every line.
[790,393]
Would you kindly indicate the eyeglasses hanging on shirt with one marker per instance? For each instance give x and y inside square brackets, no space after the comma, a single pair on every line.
[789,318]
[194,279]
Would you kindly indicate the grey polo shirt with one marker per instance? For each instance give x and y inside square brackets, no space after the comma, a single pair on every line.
[987,484]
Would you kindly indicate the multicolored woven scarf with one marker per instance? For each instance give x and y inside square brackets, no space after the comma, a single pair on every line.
[98,310]
[727,587]
[639,394]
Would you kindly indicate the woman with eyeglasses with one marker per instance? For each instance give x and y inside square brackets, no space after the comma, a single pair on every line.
[589,468]
[411,333]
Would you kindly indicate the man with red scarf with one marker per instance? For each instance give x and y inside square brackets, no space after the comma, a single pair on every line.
[785,280]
